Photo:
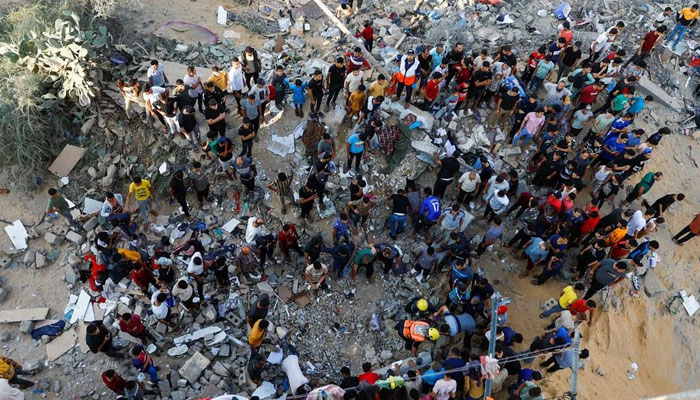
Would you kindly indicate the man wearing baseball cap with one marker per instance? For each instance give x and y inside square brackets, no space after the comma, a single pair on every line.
[407,76]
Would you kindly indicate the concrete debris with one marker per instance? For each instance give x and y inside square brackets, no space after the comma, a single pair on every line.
[193,368]
[652,284]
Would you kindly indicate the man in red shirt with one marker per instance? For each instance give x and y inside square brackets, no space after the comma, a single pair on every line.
[368,35]
[355,60]
[532,62]
[142,277]
[588,94]
[566,33]
[113,381]
[583,306]
[288,239]
[431,90]
[131,324]
[368,376]
[647,45]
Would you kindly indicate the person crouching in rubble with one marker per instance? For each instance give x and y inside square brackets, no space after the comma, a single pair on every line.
[416,332]
[420,308]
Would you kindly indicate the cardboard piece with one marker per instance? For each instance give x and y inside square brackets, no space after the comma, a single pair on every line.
[82,334]
[284,293]
[61,345]
[66,160]
[26,314]
[303,300]
[18,234]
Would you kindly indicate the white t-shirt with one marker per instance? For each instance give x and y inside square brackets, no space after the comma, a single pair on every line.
[183,294]
[469,185]
[554,95]
[252,232]
[495,186]
[443,389]
[602,173]
[155,94]
[158,75]
[235,79]
[601,43]
[315,274]
[160,311]
[659,20]
[636,223]
[565,320]
[191,80]
[192,268]
[478,62]
[353,81]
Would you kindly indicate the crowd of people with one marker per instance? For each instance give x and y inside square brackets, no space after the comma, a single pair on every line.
[573,111]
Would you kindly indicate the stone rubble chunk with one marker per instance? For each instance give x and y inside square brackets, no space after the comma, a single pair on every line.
[75,237]
[40,261]
[194,367]
[26,327]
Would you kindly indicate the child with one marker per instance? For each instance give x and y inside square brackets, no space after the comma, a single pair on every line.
[356,101]
[298,97]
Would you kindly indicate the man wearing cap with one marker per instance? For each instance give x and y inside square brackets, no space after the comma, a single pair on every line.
[335,79]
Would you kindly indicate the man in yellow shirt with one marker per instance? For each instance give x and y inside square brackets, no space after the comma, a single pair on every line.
[378,87]
[218,78]
[686,17]
[257,334]
[142,191]
[568,295]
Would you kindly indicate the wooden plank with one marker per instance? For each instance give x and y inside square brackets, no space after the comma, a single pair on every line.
[26,314]
[66,160]
[82,335]
[61,345]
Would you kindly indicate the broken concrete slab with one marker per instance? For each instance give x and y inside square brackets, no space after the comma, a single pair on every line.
[61,345]
[196,335]
[26,314]
[646,86]
[26,327]
[193,368]
[75,237]
[66,160]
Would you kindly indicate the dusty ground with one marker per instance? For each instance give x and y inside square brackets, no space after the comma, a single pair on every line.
[640,330]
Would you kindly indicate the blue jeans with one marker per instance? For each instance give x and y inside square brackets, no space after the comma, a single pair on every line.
[144,208]
[396,224]
[523,134]
[677,30]
[535,84]
[153,373]
[555,309]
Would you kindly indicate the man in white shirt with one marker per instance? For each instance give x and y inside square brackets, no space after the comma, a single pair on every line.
[254,229]
[236,81]
[467,185]
[352,82]
[637,223]
[195,268]
[602,43]
[151,94]
[160,308]
[156,74]
[444,388]
[195,91]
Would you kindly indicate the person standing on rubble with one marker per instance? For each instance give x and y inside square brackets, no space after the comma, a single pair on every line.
[685,18]
[251,65]
[236,81]
[335,79]
[143,194]
[449,166]
[455,61]
[194,83]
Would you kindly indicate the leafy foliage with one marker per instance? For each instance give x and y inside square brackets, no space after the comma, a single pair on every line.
[64,55]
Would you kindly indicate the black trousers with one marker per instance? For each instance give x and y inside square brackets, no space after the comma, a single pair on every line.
[440,186]
[593,289]
[369,269]
[254,75]
[333,92]
[246,148]
[316,107]
[183,203]
[357,157]
[685,231]
[521,237]
[465,197]
[553,362]
[202,195]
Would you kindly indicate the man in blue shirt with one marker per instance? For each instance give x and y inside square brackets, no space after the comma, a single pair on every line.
[619,125]
[430,212]
[613,147]
[638,103]
[342,255]
[354,148]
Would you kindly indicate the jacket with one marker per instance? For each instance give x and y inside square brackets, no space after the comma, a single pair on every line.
[415,330]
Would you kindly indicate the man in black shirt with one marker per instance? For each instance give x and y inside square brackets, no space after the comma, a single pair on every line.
[449,166]
[506,56]
[590,256]
[570,57]
[99,339]
[348,381]
[258,310]
[316,91]
[188,124]
[216,117]
[662,204]
[246,133]
[505,107]
[212,91]
[637,163]
[307,195]
[182,96]
[524,108]
[335,79]
[178,190]
[399,211]
[224,148]
[425,62]
[480,80]
[455,62]
[548,169]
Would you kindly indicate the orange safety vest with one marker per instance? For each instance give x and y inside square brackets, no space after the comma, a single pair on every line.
[407,73]
[415,330]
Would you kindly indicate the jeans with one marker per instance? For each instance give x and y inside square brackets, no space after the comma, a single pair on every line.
[535,84]
[396,224]
[636,58]
[152,373]
[524,134]
[144,208]
[557,308]
[678,31]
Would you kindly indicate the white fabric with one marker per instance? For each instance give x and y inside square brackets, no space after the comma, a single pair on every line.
[236,79]
[191,80]
[290,366]
[7,392]
[354,81]
[192,268]
[495,186]
[601,43]
[565,320]
[636,223]
[160,311]
[443,389]
[469,185]
[156,91]
[252,232]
